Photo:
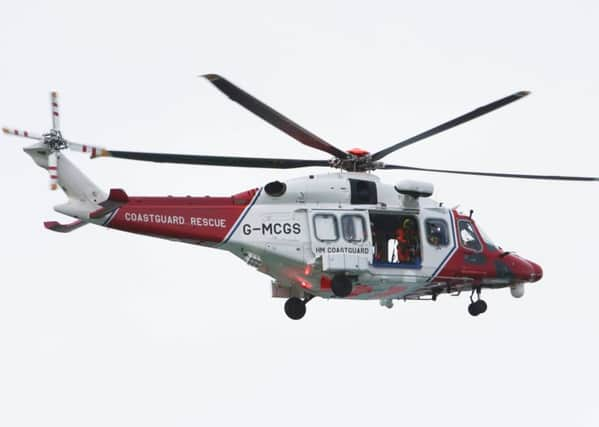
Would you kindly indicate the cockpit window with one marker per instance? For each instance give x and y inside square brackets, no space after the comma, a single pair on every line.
[354,228]
[436,232]
[468,236]
[488,241]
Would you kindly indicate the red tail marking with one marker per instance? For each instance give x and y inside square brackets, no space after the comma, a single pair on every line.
[202,219]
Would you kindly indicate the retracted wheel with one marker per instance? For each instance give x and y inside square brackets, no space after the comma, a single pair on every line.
[341,286]
[295,308]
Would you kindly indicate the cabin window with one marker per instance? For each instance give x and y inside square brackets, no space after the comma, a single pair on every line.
[437,233]
[395,239]
[325,227]
[354,228]
[363,192]
[468,236]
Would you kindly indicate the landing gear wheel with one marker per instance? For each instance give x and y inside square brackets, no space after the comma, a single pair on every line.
[472,309]
[341,286]
[482,306]
[295,308]
[477,307]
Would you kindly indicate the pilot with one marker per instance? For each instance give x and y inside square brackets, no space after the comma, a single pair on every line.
[406,241]
[434,234]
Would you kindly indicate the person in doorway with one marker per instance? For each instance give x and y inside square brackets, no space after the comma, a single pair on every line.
[407,241]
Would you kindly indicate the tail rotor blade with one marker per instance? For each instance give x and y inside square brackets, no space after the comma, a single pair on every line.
[22,133]
[55,112]
[53,170]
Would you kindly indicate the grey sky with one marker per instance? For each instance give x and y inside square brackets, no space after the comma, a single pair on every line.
[104,328]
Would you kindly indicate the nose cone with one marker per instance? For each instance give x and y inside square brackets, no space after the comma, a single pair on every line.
[521,268]
[537,270]
[524,270]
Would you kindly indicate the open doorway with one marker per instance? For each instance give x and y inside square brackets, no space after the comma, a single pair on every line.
[395,240]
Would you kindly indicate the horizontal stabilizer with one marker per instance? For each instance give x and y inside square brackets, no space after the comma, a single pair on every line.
[64,228]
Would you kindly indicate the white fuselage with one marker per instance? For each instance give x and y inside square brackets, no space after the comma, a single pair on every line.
[300,236]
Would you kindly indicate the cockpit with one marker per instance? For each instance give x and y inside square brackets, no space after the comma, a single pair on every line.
[469,238]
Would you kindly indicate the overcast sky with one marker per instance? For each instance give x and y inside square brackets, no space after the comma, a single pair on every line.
[100,327]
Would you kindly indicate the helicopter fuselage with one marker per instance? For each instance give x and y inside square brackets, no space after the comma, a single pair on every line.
[306,231]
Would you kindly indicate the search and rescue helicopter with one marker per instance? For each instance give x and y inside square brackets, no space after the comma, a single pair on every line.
[339,235]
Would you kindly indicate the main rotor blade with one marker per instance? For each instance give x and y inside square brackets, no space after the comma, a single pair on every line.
[273,117]
[452,123]
[246,162]
[495,174]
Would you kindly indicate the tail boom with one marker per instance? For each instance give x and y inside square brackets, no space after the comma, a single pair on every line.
[201,220]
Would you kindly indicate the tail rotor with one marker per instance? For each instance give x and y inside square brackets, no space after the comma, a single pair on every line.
[53,142]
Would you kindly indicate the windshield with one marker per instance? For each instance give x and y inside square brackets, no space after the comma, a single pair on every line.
[468,236]
[488,241]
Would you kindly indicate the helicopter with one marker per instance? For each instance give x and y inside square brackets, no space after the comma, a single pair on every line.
[344,235]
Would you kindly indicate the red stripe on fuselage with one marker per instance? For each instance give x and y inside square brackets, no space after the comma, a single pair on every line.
[203,219]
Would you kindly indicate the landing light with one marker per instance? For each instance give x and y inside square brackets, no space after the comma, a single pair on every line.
[305,285]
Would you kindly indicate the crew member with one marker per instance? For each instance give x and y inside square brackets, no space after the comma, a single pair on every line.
[407,241]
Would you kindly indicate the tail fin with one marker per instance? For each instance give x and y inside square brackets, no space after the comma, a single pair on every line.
[84,196]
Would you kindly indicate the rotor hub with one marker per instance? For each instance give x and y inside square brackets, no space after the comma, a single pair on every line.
[54,140]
